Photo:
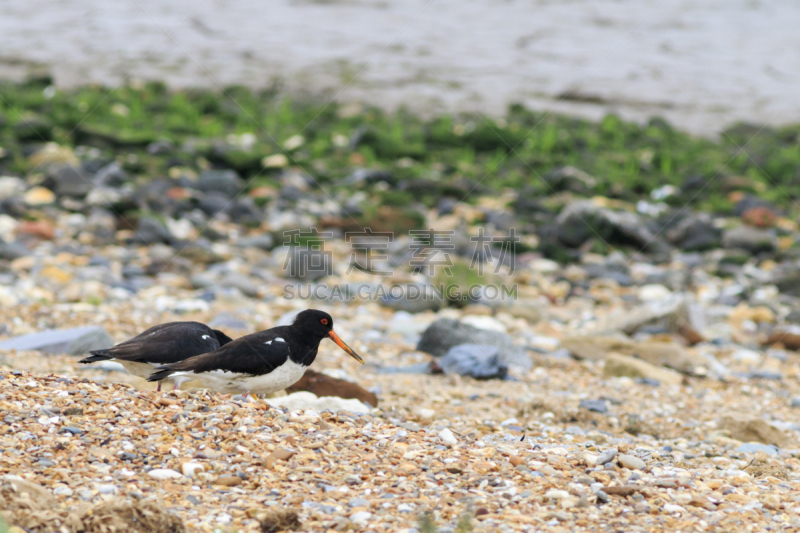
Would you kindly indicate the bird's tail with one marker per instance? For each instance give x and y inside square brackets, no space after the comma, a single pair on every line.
[161,372]
[97,355]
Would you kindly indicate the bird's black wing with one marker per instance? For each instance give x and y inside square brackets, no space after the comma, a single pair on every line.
[162,344]
[255,354]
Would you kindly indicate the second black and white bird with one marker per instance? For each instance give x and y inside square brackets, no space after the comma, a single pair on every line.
[162,344]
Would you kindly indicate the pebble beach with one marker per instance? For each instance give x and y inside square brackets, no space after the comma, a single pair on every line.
[640,375]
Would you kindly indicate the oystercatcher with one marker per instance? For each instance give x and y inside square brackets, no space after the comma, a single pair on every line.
[260,363]
[162,344]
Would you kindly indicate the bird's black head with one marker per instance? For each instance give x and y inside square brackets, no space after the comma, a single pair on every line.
[221,337]
[315,325]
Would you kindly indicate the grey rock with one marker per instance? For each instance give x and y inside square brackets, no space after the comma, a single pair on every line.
[795,401]
[413,298]
[788,283]
[570,178]
[68,180]
[411,426]
[306,265]
[111,175]
[226,182]
[358,502]
[584,220]
[73,341]
[244,211]
[446,333]
[474,360]
[12,250]
[262,242]
[753,240]
[754,447]
[241,282]
[692,232]
[606,456]
[419,368]
[214,202]
[227,320]
[150,230]
[597,406]
[602,497]
[160,147]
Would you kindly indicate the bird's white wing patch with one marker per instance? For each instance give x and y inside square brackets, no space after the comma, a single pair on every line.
[279,339]
[268,342]
[206,337]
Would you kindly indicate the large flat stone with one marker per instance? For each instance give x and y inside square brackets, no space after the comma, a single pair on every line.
[73,341]
[445,333]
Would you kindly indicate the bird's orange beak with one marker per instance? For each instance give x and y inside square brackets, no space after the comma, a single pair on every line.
[345,347]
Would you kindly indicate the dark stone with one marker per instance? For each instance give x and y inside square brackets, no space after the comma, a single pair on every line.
[751,202]
[111,175]
[71,429]
[474,360]
[446,206]
[226,182]
[446,333]
[600,271]
[750,239]
[788,283]
[33,129]
[150,230]
[584,220]
[694,232]
[570,179]
[213,203]
[244,211]
[68,180]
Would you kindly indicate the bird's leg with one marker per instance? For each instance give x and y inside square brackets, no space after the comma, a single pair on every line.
[158,388]
[175,386]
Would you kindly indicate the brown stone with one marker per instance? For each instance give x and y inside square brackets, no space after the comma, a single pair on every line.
[228,481]
[691,335]
[790,341]
[750,429]
[281,454]
[323,385]
[39,228]
[516,460]
[760,217]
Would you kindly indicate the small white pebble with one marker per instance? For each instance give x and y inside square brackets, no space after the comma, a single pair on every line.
[190,468]
[164,473]
[361,517]
[447,437]
[631,462]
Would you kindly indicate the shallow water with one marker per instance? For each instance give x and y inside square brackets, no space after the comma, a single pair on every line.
[701,64]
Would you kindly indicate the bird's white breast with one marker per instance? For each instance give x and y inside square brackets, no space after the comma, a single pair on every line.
[223,381]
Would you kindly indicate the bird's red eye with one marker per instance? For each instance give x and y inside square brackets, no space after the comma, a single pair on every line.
[324,321]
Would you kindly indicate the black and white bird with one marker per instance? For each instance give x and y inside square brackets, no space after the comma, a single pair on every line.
[260,363]
[162,344]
